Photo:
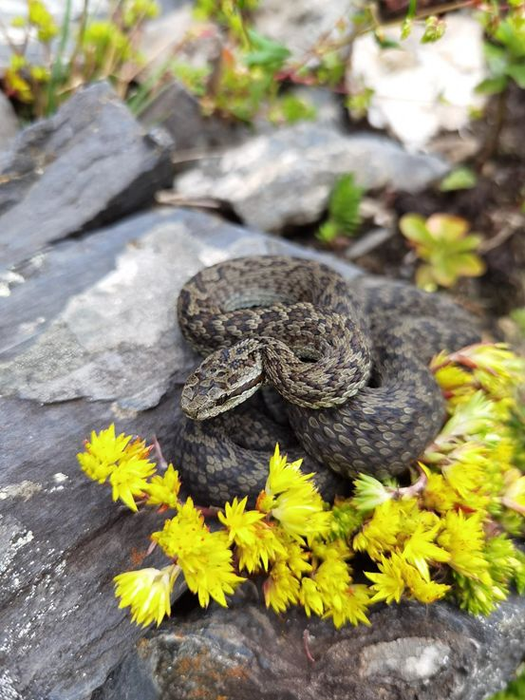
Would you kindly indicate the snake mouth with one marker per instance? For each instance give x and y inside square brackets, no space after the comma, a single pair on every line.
[243,390]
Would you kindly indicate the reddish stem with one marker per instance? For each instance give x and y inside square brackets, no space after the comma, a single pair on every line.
[306,645]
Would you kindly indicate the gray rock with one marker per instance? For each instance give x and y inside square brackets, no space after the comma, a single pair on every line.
[284,178]
[106,300]
[180,114]
[409,651]
[300,24]
[8,122]
[87,165]
[97,347]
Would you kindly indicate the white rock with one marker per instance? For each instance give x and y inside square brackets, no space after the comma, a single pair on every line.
[422,89]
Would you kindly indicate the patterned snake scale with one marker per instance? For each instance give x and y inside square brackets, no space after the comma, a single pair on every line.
[349,361]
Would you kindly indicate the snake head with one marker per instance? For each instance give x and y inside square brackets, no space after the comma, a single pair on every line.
[223,380]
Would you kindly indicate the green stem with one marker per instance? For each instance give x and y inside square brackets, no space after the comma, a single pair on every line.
[57,70]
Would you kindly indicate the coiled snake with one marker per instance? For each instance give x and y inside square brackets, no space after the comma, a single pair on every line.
[350,360]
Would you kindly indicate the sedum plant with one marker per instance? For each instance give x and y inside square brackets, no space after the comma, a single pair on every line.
[444,246]
[101,48]
[344,218]
[446,535]
[505,52]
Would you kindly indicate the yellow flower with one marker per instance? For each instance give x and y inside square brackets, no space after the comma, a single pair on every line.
[208,569]
[40,17]
[463,537]
[129,479]
[341,600]
[438,494]
[103,453]
[419,549]
[267,546]
[310,597]
[281,588]
[147,592]
[125,463]
[301,514]
[352,606]
[388,584]
[182,531]
[466,468]
[292,499]
[422,588]
[204,557]
[451,378]
[282,475]
[164,490]
[380,533]
[240,524]
[296,558]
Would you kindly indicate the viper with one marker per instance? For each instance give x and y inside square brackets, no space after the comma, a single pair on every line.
[348,359]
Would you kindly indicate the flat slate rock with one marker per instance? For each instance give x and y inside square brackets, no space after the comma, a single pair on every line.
[88,337]
[89,164]
[284,178]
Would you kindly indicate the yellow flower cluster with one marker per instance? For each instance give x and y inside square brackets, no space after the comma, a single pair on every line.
[125,462]
[468,487]
[446,534]
[204,557]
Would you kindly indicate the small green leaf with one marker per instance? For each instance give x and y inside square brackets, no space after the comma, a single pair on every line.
[327,232]
[265,53]
[469,265]
[385,43]
[459,179]
[434,30]
[344,204]
[517,73]
[292,109]
[511,33]
[406,28]
[414,228]
[492,86]
[447,227]
[496,57]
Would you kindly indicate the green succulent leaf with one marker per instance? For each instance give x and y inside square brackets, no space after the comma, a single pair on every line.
[517,73]
[496,57]
[446,227]
[344,204]
[414,228]
[327,232]
[459,179]
[265,53]
[443,244]
[492,86]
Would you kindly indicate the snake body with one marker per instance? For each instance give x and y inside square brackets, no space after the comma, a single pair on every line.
[349,359]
